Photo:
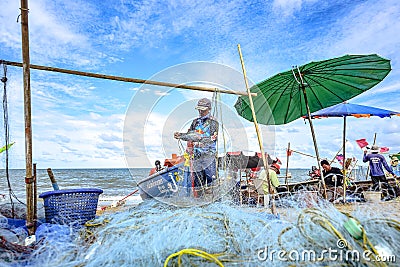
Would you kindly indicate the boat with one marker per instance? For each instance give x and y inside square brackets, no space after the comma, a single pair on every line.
[168,182]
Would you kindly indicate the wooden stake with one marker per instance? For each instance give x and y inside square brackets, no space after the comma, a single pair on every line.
[34,197]
[273,208]
[27,112]
[52,179]
[287,166]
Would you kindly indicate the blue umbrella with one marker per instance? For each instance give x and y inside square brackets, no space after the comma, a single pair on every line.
[346,109]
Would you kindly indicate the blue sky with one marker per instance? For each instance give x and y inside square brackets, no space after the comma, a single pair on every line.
[82,122]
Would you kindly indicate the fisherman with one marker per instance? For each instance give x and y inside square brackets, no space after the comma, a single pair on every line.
[376,164]
[203,133]
[333,176]
[273,170]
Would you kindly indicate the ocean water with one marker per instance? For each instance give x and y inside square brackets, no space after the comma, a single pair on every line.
[114,182]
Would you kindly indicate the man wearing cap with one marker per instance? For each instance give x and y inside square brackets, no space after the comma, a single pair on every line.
[202,134]
[376,164]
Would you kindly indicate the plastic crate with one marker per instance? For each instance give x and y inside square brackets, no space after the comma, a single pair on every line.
[71,206]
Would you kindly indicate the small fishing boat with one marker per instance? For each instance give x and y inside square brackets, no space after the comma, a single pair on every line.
[169,181]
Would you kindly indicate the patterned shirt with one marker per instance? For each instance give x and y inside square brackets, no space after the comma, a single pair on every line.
[207,128]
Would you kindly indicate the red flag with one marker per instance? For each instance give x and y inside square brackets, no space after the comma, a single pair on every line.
[362,143]
[288,152]
[278,161]
[384,150]
[340,159]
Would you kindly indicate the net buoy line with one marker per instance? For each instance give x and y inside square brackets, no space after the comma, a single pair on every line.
[119,202]
[156,234]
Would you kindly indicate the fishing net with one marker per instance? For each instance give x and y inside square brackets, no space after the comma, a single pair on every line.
[154,234]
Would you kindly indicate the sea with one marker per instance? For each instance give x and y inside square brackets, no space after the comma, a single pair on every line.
[153,233]
[113,182]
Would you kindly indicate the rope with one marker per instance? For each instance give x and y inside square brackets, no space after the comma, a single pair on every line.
[6,135]
[194,252]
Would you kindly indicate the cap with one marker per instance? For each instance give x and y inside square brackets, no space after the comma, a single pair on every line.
[277,167]
[203,104]
[374,149]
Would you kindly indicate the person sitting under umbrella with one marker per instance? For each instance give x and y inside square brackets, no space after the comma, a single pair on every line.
[376,164]
[333,176]
[273,170]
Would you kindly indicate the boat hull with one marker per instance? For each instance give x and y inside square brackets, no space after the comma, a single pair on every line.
[164,183]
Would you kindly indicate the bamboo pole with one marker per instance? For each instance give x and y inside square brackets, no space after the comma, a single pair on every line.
[304,154]
[313,136]
[287,166]
[334,158]
[27,112]
[125,79]
[273,208]
[34,197]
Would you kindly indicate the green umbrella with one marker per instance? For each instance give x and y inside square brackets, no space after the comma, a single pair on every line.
[290,95]
[280,99]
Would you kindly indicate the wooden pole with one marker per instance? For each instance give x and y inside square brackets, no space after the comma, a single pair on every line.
[313,137]
[287,166]
[273,208]
[304,154]
[125,79]
[52,179]
[27,112]
[34,197]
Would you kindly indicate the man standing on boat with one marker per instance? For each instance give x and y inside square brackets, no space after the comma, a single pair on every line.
[376,164]
[202,134]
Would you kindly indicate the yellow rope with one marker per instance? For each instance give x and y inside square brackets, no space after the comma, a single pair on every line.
[194,252]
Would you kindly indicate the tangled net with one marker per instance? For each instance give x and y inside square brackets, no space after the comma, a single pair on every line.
[220,234]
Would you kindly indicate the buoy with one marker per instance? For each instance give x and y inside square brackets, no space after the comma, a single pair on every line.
[354,228]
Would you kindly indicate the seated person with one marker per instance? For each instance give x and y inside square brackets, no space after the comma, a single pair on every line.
[273,170]
[332,176]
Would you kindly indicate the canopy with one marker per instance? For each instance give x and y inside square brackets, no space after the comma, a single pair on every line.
[347,109]
[280,99]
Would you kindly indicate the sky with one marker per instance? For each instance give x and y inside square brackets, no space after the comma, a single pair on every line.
[82,122]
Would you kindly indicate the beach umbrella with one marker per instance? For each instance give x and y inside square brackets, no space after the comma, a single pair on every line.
[345,110]
[281,98]
[290,95]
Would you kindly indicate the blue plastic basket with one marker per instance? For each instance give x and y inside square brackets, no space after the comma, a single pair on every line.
[71,206]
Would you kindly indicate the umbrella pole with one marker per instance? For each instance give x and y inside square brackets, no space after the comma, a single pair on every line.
[273,208]
[287,166]
[314,138]
[344,159]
